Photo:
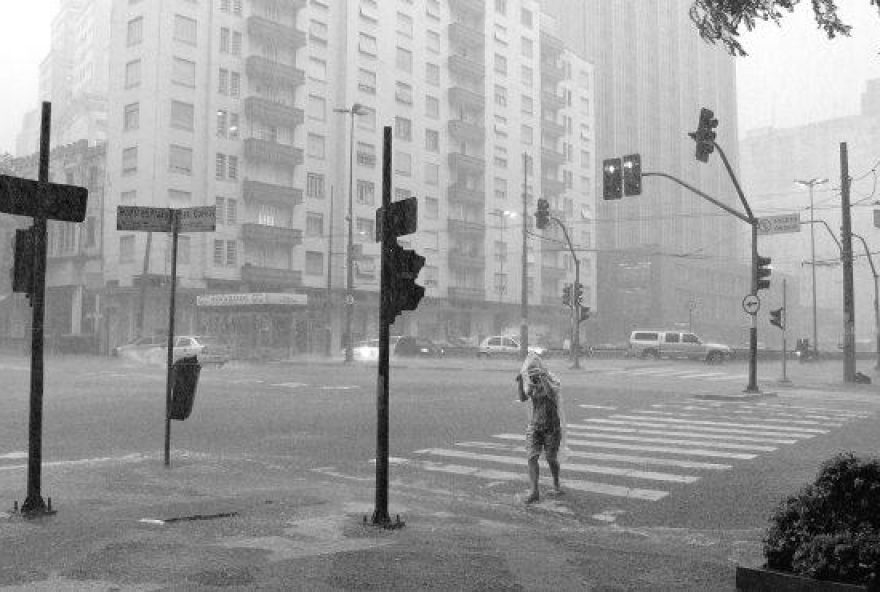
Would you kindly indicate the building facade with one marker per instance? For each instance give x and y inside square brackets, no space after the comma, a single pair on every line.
[653,73]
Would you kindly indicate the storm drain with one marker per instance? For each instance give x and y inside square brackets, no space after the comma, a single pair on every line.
[191,518]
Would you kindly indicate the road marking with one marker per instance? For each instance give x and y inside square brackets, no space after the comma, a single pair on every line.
[623,430]
[626,438]
[642,460]
[810,408]
[13,456]
[701,429]
[730,377]
[569,467]
[83,461]
[723,423]
[571,484]
[339,388]
[634,447]
[762,418]
[290,384]
[598,407]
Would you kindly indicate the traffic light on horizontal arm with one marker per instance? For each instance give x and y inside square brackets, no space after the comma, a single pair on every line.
[542,214]
[612,178]
[632,174]
[566,295]
[579,293]
[23,261]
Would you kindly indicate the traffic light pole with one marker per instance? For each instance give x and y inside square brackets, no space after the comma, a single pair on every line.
[784,320]
[524,288]
[575,301]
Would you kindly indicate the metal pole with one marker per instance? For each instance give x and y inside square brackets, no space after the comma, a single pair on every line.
[752,387]
[380,513]
[813,266]
[876,301]
[349,274]
[329,303]
[142,302]
[784,319]
[169,377]
[849,310]
[524,322]
[34,503]
[575,313]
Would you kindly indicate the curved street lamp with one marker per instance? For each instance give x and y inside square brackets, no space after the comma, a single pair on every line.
[812,183]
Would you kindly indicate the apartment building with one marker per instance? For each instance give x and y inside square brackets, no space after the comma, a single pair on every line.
[273,110]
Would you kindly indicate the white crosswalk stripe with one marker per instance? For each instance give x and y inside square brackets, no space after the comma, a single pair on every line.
[670,444]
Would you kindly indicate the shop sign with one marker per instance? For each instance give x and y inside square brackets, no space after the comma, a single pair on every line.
[252,298]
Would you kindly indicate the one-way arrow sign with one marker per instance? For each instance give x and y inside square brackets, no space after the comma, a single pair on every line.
[23,197]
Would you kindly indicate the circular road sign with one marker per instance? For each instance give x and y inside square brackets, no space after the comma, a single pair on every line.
[751,304]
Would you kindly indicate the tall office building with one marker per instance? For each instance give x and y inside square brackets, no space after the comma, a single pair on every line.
[653,74]
[258,107]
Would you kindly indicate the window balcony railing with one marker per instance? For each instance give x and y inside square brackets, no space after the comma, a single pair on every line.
[271,193]
[551,187]
[271,234]
[553,128]
[467,66]
[276,33]
[463,35]
[474,7]
[552,101]
[276,114]
[457,160]
[465,261]
[460,194]
[284,4]
[551,43]
[465,131]
[552,156]
[274,73]
[272,152]
[551,71]
[460,96]
[465,227]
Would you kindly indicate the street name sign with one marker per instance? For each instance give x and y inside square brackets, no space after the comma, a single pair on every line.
[146,219]
[21,197]
[402,216]
[779,224]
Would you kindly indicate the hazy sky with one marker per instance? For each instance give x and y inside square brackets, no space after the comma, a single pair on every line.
[793,75]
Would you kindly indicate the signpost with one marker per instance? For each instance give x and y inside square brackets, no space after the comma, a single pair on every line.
[779,224]
[173,220]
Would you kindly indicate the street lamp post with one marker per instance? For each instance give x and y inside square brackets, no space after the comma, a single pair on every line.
[502,214]
[876,296]
[812,183]
[356,109]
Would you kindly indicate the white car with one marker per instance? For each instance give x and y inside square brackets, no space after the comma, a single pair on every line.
[153,350]
[500,344]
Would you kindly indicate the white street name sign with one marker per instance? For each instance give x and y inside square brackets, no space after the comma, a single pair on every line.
[779,224]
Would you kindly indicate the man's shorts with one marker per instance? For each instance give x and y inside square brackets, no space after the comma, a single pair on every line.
[538,440]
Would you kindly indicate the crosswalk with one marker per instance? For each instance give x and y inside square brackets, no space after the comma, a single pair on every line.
[678,372]
[642,455]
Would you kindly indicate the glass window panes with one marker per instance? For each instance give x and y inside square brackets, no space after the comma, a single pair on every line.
[185,29]
[183,72]
[182,115]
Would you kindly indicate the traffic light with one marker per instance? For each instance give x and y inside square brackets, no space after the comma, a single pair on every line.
[705,134]
[762,272]
[542,214]
[405,293]
[612,178]
[776,317]
[566,295]
[632,174]
[23,263]
[579,293]
[585,313]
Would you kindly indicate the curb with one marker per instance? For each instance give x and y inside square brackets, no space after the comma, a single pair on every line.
[737,397]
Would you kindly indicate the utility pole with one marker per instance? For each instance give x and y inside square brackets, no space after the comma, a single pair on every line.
[524,322]
[812,183]
[849,337]
[329,304]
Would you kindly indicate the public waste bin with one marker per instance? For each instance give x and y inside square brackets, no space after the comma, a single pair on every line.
[185,378]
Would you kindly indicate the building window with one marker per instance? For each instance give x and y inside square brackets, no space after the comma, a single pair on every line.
[126,249]
[129,160]
[364,228]
[317,108]
[185,29]
[223,82]
[500,95]
[405,26]
[234,84]
[528,48]
[432,140]
[220,166]
[500,188]
[403,93]
[367,81]
[133,74]
[318,31]
[528,105]
[432,74]
[183,249]
[367,45]
[135,34]
[318,69]
[432,39]
[128,198]
[314,224]
[527,134]
[131,117]
[527,18]
[232,168]
[432,208]
[404,60]
[314,263]
[183,72]
[222,123]
[403,163]
[528,78]
[501,6]
[432,173]
[403,128]
[180,159]
[500,64]
[182,115]
[315,185]
[366,192]
[220,210]
[224,40]
[432,107]
[231,211]
[225,253]
[315,146]
[366,154]
[178,198]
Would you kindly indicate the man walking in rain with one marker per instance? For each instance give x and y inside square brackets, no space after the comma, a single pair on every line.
[544,431]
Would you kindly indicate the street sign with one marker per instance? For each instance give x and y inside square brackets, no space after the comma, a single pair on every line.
[146,219]
[403,218]
[751,304]
[21,197]
[779,224]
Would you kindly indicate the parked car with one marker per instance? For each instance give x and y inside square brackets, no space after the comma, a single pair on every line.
[417,346]
[154,349]
[676,344]
[500,344]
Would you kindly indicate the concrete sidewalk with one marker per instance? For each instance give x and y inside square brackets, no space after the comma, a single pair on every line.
[234,523]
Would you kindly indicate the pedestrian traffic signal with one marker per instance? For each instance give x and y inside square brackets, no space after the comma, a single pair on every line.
[585,313]
[612,178]
[404,293]
[566,295]
[763,272]
[23,261]
[632,174]
[777,318]
[579,293]
[542,214]
[705,134]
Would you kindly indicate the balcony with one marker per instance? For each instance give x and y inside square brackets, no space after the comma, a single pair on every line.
[272,152]
[271,194]
[475,7]
[270,276]
[460,96]
[553,128]
[552,101]
[467,66]
[464,227]
[460,260]
[283,4]
[552,156]
[475,164]
[550,71]
[461,293]
[274,73]
[271,234]
[465,131]
[465,36]
[460,194]
[275,33]
[275,114]
[551,44]
[550,187]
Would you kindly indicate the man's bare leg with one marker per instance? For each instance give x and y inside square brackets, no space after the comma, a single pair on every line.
[533,478]
[554,471]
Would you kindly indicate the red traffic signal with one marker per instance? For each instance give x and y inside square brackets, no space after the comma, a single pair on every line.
[612,178]
[632,174]
[23,264]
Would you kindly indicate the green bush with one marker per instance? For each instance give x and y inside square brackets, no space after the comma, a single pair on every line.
[831,529]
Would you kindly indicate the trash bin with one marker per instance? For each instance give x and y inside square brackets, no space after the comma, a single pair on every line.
[185,378]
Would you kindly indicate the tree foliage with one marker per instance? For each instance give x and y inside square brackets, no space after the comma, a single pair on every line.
[720,21]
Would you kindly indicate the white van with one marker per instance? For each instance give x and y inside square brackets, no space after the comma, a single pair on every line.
[676,344]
